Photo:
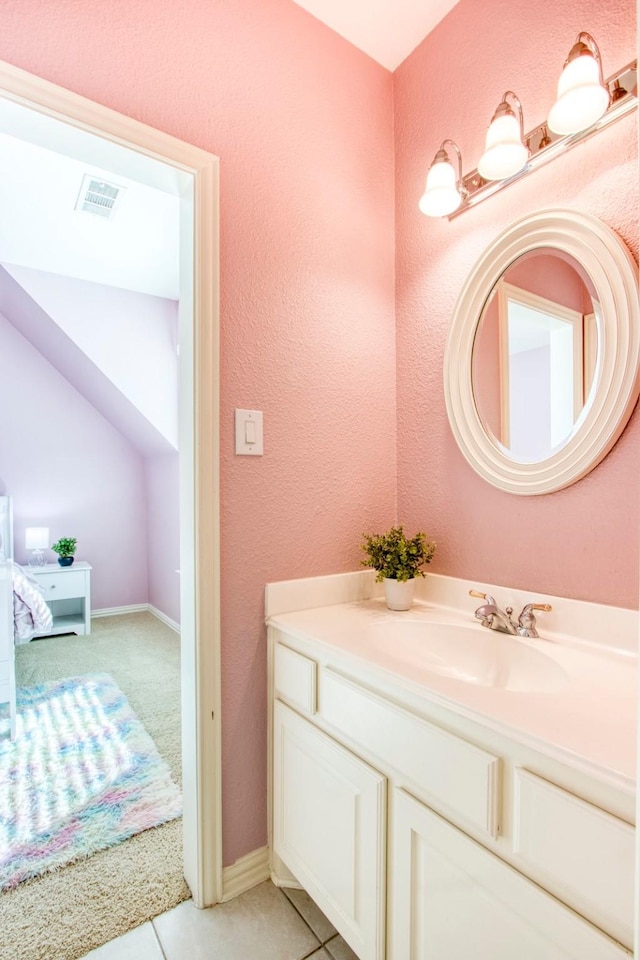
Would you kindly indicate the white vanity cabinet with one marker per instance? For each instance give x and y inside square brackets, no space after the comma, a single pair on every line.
[330,828]
[452,898]
[487,856]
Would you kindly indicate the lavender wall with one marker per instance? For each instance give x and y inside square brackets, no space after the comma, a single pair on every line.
[530,404]
[67,468]
[92,335]
[163,529]
[579,542]
[303,124]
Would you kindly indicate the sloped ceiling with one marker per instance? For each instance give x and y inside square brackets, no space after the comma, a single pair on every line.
[52,342]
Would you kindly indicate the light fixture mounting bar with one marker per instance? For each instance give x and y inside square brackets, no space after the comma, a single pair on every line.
[546,145]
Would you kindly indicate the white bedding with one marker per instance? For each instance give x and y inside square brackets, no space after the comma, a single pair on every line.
[30,612]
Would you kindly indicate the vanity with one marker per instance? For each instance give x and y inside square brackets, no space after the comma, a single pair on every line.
[445,791]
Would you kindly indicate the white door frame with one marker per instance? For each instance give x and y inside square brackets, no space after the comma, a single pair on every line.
[199,466]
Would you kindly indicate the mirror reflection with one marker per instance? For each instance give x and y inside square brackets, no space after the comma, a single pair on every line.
[535,354]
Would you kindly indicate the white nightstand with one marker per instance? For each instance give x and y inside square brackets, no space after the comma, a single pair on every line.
[67,591]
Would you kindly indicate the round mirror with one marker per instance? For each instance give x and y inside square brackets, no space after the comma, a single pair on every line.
[542,359]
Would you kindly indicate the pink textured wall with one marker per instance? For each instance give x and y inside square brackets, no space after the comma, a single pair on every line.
[303,125]
[555,278]
[68,469]
[486,371]
[582,541]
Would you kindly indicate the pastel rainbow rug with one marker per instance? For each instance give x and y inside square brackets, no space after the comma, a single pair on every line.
[82,774]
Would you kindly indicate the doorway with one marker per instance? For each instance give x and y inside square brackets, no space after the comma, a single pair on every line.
[196,173]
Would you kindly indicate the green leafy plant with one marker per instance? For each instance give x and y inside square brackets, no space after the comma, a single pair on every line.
[65,546]
[395,556]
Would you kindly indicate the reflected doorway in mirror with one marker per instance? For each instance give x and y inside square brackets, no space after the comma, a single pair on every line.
[534,355]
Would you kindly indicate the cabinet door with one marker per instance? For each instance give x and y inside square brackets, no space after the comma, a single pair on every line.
[329,810]
[453,899]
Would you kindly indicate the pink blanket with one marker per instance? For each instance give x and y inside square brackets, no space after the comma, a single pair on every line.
[30,612]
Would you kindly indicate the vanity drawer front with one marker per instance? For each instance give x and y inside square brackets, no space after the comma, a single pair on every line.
[577,851]
[62,586]
[295,679]
[453,776]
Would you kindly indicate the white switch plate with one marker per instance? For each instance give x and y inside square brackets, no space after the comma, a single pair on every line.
[248,427]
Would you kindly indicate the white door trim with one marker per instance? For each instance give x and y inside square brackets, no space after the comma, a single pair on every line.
[201,641]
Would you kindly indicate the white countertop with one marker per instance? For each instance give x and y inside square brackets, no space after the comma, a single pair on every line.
[590,722]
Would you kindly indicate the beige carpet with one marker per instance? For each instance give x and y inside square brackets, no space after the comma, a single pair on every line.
[64,915]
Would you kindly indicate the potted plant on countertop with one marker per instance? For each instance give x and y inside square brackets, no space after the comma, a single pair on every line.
[65,547]
[398,561]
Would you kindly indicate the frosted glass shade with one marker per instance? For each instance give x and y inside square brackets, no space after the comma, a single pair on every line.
[505,153]
[581,97]
[36,538]
[441,196]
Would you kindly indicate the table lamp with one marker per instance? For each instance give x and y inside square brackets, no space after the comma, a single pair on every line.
[36,539]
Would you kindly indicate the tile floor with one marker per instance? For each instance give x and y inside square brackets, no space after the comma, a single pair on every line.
[263,924]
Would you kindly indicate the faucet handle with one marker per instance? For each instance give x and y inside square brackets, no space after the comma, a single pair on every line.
[527,619]
[482,596]
[484,613]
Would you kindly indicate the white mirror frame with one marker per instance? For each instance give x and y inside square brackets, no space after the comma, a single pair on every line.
[613,272]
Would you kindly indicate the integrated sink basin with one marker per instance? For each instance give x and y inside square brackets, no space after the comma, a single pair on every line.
[467,653]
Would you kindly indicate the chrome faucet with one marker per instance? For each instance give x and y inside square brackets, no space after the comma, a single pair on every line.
[491,616]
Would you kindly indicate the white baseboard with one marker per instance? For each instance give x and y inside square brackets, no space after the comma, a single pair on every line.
[137,608]
[162,616]
[118,611]
[245,873]
[281,876]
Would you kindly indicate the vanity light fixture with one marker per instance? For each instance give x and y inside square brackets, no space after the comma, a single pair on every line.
[582,95]
[505,153]
[442,193]
[510,154]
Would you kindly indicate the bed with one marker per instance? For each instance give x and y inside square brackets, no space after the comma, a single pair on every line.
[23,611]
[7,660]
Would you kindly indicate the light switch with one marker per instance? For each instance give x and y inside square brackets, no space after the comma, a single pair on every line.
[249,433]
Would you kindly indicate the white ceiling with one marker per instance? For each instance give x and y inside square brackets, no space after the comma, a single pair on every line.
[388,30]
[42,165]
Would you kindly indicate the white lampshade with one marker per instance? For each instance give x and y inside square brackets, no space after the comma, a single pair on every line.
[505,153]
[582,99]
[36,538]
[441,196]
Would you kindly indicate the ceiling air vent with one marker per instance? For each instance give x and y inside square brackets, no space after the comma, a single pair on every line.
[98,197]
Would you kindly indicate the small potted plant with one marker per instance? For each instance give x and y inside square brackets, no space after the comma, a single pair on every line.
[398,561]
[65,547]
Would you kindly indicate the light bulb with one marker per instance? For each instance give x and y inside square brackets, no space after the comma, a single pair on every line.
[582,99]
[441,196]
[505,153]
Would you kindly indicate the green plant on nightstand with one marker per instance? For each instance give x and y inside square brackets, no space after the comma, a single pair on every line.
[398,560]
[65,547]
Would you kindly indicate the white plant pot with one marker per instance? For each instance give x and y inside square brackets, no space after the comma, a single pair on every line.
[399,594]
